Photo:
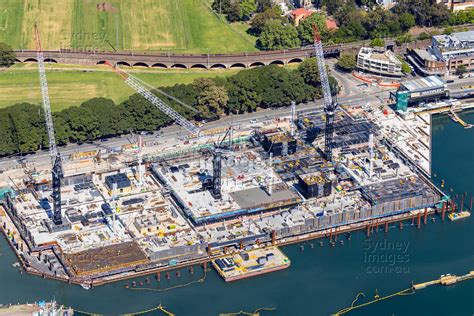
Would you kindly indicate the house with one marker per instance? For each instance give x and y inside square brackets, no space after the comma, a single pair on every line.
[297,15]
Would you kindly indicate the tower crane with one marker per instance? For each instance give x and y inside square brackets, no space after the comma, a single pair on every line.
[329,104]
[57,168]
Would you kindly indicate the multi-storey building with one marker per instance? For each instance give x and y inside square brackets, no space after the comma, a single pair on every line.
[379,61]
[455,50]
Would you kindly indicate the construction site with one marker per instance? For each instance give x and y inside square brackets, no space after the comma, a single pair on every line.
[97,217]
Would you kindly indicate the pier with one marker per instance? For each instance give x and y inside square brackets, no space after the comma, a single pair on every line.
[457,119]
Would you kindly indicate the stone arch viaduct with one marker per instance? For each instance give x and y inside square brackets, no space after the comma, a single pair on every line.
[185,61]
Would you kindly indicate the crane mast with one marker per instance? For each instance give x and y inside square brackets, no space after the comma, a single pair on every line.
[329,104]
[57,169]
[218,151]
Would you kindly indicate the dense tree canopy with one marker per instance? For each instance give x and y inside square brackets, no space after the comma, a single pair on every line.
[426,12]
[258,22]
[276,35]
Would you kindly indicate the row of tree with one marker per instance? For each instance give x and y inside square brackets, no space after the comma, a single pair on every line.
[23,127]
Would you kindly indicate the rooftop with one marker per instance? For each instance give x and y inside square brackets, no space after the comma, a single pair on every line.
[426,83]
[301,11]
[378,54]
[423,53]
[459,40]
[314,177]
[120,179]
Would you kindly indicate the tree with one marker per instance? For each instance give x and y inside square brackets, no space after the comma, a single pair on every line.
[7,55]
[309,71]
[423,36]
[105,116]
[354,30]
[406,68]
[305,28]
[212,99]
[28,127]
[221,6]
[8,144]
[276,35]
[277,86]
[461,17]
[263,5]
[461,70]
[407,21]
[377,42]
[243,96]
[332,6]
[333,85]
[407,38]
[448,30]
[426,12]
[381,23]
[346,62]
[247,8]
[258,21]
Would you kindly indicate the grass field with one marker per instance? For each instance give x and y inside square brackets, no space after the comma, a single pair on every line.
[154,25]
[71,85]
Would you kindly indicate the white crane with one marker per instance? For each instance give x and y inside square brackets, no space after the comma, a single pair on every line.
[57,169]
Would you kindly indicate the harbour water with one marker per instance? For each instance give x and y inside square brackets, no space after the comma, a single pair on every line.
[321,280]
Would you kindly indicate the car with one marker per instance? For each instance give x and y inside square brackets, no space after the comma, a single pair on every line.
[253,121]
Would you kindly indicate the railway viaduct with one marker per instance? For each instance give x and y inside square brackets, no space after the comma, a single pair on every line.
[203,61]
[163,60]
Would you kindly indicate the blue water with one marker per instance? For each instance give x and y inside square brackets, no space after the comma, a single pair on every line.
[321,280]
